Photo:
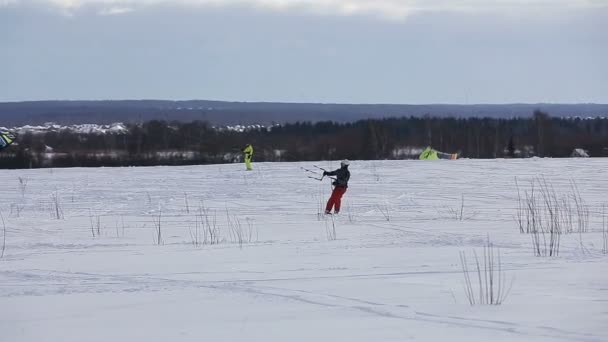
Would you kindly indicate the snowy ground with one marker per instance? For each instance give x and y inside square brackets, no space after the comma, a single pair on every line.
[381,279]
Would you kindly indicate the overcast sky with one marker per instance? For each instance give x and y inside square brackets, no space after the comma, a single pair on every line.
[345,51]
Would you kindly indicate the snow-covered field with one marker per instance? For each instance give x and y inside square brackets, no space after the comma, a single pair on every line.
[392,273]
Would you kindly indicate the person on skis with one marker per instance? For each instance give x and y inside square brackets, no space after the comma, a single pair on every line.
[248,154]
[340,185]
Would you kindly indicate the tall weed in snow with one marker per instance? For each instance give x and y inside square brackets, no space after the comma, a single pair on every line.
[3,235]
[16,210]
[120,230]
[604,231]
[491,288]
[374,171]
[385,210]
[206,231]
[186,204]
[550,225]
[196,233]
[22,185]
[320,207]
[211,230]
[250,230]
[459,212]
[582,209]
[521,212]
[546,216]
[235,230]
[350,213]
[158,233]
[330,228]
[57,209]
[95,221]
[238,233]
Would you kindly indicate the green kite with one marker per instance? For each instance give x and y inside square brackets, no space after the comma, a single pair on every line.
[431,154]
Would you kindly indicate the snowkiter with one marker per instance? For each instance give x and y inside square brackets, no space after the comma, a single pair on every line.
[340,185]
[248,154]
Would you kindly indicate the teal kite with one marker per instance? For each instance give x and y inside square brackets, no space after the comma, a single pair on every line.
[6,139]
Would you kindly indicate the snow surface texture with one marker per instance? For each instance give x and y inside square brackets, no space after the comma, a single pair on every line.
[82,261]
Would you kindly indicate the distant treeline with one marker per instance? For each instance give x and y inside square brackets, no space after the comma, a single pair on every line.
[177,143]
[266,113]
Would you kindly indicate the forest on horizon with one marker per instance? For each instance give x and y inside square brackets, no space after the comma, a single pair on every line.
[159,142]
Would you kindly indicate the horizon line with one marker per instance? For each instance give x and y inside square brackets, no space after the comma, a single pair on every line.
[309,103]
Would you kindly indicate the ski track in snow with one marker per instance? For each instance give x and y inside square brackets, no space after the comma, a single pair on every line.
[393,273]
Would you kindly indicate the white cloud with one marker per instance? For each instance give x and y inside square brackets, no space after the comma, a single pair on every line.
[391,9]
[115,10]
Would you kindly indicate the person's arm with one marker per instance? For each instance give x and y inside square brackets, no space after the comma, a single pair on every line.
[330,173]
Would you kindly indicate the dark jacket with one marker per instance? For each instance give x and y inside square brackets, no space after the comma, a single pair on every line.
[342,176]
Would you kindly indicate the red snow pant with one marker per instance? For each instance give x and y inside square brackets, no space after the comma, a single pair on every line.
[335,199]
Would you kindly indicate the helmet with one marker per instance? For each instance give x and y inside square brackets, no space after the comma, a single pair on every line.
[345,162]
